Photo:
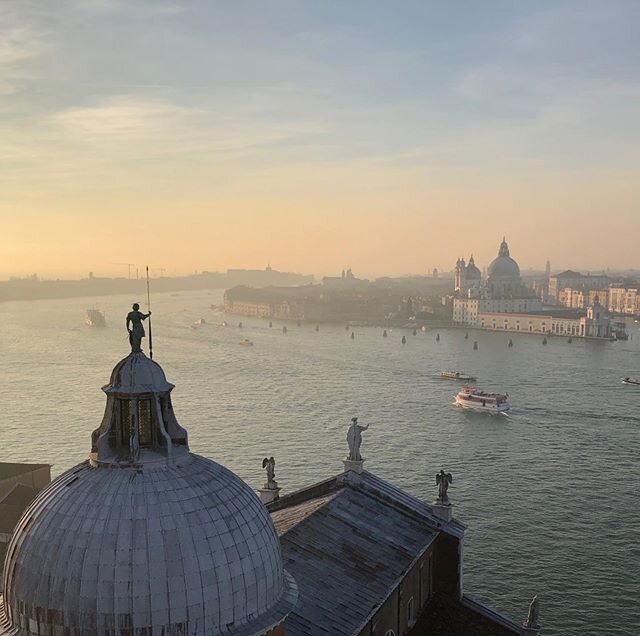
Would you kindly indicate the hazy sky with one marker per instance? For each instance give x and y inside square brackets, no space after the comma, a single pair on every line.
[386,136]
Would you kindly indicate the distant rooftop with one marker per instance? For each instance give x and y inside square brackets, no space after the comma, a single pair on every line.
[8,470]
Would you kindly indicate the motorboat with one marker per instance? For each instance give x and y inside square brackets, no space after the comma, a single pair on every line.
[630,381]
[471,397]
[456,375]
[199,323]
[245,342]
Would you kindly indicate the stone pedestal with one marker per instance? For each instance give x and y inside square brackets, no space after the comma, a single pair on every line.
[442,510]
[267,495]
[356,465]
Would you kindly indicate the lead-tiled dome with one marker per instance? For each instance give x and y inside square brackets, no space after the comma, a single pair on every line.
[145,537]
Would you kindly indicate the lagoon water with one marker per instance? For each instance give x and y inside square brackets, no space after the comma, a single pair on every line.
[550,493]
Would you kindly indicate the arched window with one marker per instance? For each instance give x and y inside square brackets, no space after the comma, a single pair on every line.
[410,612]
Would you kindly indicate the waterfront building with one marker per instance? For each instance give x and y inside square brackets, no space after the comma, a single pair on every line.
[575,280]
[596,323]
[624,300]
[501,292]
[146,537]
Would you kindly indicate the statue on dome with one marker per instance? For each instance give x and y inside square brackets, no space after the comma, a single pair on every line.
[135,328]
[443,480]
[354,439]
[270,464]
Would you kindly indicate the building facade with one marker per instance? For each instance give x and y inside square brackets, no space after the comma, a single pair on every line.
[575,280]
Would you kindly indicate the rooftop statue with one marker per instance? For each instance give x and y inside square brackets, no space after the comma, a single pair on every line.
[443,480]
[270,464]
[135,327]
[354,439]
[532,616]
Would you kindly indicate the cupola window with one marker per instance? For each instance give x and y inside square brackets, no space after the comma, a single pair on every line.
[145,430]
[125,422]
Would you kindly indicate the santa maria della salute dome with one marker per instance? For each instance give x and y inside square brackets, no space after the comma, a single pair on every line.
[144,537]
[503,276]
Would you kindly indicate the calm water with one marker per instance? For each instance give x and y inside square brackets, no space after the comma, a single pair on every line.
[549,494]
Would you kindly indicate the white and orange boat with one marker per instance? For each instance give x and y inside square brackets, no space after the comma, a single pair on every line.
[471,397]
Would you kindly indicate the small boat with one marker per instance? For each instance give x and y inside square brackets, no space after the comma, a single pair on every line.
[245,342]
[466,336]
[544,340]
[415,332]
[284,329]
[510,343]
[353,335]
[199,323]
[456,375]
[471,397]
[384,333]
[570,340]
[240,325]
[404,340]
[270,324]
[95,318]
[475,345]
[423,328]
[630,381]
[437,337]
[224,323]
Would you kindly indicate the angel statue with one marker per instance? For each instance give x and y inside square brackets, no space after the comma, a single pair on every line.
[354,439]
[443,480]
[270,464]
[532,615]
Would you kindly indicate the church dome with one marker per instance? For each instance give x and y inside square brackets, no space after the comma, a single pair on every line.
[144,537]
[472,272]
[504,267]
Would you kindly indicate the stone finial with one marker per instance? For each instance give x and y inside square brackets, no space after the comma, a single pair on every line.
[443,480]
[442,507]
[270,464]
[531,625]
[354,460]
[271,491]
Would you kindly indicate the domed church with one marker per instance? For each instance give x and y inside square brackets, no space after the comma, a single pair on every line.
[145,537]
[504,274]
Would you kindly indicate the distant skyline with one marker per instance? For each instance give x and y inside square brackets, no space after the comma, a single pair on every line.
[387,137]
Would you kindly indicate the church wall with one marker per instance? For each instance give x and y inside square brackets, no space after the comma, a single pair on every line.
[415,588]
[446,565]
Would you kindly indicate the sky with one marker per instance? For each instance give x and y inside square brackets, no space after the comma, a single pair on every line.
[390,137]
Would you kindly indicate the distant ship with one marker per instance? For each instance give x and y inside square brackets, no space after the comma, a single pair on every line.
[95,318]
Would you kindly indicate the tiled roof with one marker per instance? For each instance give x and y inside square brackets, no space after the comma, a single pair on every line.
[348,548]
[8,469]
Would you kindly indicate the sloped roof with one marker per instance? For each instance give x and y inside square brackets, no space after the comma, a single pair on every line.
[444,616]
[348,542]
[13,504]
[9,469]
